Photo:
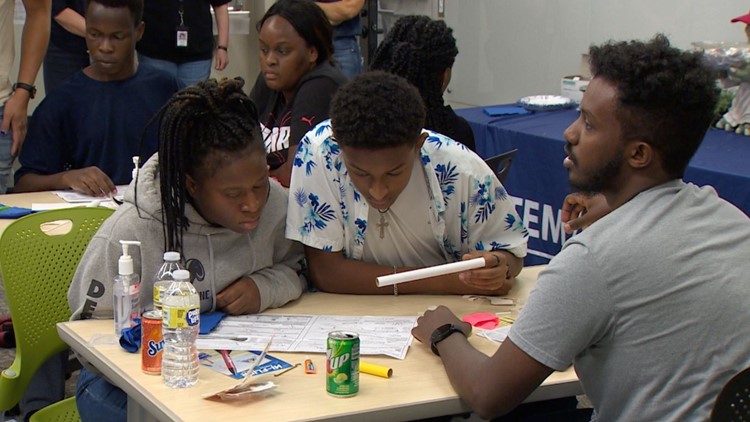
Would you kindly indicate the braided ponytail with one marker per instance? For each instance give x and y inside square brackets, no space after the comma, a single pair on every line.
[421,50]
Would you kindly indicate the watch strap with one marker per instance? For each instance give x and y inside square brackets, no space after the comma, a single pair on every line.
[441,333]
[26,87]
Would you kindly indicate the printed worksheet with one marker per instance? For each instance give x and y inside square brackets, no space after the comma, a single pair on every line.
[378,335]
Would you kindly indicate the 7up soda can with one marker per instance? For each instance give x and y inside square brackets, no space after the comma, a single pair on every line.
[342,364]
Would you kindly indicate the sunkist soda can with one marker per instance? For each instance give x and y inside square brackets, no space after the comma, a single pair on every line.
[342,364]
[152,342]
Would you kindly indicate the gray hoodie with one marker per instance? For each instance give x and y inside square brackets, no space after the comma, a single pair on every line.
[215,256]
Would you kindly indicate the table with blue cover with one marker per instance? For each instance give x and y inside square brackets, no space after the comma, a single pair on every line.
[538,181]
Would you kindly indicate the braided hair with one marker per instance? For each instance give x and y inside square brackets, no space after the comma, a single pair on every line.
[199,127]
[420,49]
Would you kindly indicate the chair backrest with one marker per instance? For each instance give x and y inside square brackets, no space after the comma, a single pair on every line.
[733,402]
[500,164]
[37,269]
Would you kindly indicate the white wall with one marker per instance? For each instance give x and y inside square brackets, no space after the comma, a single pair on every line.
[513,48]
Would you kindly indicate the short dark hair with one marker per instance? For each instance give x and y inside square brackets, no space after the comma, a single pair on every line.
[377,110]
[665,96]
[135,7]
[201,126]
[309,21]
[420,49]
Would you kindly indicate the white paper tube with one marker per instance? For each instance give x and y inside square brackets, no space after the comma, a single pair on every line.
[453,267]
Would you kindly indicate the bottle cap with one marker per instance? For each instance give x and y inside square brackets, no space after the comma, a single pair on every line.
[181,275]
[171,256]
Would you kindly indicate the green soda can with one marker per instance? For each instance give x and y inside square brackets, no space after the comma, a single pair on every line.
[342,364]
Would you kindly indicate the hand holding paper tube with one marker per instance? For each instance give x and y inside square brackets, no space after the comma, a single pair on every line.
[454,267]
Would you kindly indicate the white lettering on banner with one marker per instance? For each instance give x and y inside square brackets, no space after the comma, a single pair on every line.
[551,229]
[275,139]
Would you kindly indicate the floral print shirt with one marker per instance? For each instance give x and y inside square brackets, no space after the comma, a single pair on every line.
[473,210]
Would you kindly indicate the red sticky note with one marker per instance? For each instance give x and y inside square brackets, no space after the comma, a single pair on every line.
[485,320]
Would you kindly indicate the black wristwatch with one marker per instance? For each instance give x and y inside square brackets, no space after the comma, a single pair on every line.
[27,87]
[441,333]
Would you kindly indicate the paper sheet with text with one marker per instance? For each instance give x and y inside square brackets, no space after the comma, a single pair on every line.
[379,335]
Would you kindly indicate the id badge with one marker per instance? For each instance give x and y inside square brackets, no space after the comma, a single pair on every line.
[182,36]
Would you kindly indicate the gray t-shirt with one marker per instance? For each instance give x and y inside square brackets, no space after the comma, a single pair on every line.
[650,304]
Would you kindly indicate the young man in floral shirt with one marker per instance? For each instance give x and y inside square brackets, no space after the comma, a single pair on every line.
[374,194]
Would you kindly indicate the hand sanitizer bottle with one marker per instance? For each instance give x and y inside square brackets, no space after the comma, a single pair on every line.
[127,291]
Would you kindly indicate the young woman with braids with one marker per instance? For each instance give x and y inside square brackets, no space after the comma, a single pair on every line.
[422,51]
[297,78]
[206,194]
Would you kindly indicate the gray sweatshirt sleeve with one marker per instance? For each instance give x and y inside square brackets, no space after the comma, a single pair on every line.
[281,282]
[279,278]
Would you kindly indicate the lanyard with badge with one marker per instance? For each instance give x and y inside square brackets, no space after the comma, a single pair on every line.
[182,29]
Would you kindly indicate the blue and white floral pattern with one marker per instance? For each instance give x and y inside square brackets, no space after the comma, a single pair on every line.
[472,209]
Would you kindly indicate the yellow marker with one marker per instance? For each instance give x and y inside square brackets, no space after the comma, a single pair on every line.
[372,369]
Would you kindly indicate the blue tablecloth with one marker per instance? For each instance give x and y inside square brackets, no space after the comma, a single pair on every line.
[538,182]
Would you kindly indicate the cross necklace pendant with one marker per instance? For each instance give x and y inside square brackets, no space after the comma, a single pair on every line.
[382,224]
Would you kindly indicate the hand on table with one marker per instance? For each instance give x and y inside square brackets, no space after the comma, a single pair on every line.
[90,180]
[239,298]
[433,319]
[493,279]
[580,210]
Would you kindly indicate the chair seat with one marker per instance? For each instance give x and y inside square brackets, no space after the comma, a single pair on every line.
[733,402]
[62,411]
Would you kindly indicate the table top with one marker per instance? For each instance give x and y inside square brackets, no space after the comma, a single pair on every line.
[419,387]
[25,200]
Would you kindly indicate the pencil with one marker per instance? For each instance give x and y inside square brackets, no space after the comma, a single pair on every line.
[228,361]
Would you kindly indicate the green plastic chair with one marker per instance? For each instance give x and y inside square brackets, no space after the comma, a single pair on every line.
[37,269]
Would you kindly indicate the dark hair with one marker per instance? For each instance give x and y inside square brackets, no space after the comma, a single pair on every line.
[309,21]
[665,96]
[135,7]
[420,49]
[377,110]
[200,127]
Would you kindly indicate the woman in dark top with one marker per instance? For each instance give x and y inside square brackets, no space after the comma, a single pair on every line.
[297,78]
[423,50]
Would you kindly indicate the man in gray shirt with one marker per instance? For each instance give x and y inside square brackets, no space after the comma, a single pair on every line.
[643,302]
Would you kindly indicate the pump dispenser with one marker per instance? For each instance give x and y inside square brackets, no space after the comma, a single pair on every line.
[127,291]
[136,162]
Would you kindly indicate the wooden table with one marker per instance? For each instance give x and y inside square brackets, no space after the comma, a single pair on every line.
[25,200]
[419,387]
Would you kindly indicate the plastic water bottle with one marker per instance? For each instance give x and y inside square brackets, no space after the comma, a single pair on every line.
[180,326]
[164,277]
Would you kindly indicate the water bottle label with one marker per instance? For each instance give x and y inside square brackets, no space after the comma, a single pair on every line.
[158,293]
[134,289]
[181,317]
